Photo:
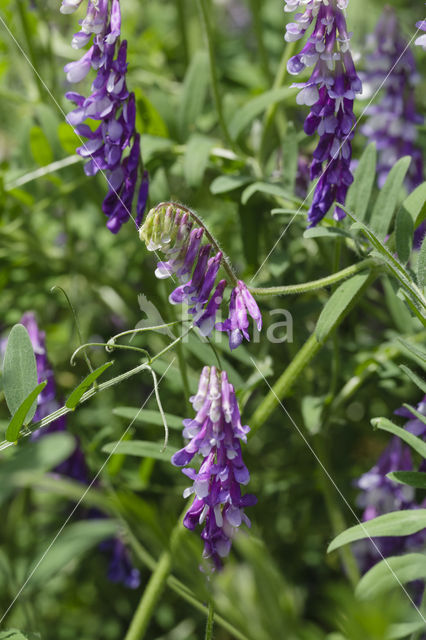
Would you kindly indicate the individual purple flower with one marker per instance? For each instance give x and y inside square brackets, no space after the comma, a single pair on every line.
[120,568]
[114,146]
[380,495]
[241,304]
[330,92]
[392,123]
[170,230]
[216,433]
[421,40]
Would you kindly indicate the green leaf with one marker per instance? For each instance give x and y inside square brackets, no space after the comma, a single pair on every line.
[71,545]
[397,523]
[404,232]
[399,312]
[19,370]
[404,630]
[415,443]
[12,634]
[415,479]
[255,107]
[338,303]
[147,417]
[148,119]
[224,184]
[326,232]
[384,575]
[40,147]
[153,146]
[421,265]
[419,354]
[416,413]
[195,87]
[413,295]
[67,137]
[12,431]
[415,204]
[196,159]
[421,384]
[75,396]
[387,199]
[140,449]
[359,193]
[38,456]
[267,188]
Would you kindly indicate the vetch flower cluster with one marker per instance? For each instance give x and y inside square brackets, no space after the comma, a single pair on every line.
[114,146]
[195,265]
[330,92]
[392,123]
[75,467]
[380,495]
[215,433]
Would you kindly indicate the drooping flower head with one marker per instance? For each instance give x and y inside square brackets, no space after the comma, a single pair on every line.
[215,433]
[330,92]
[114,146]
[380,495]
[195,266]
[392,123]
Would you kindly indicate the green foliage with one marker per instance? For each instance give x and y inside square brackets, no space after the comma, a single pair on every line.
[19,372]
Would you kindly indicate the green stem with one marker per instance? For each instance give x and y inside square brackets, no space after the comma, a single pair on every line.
[181,589]
[278,82]
[289,376]
[315,284]
[93,391]
[182,22]
[28,39]
[259,33]
[152,593]
[210,620]
[336,518]
[202,4]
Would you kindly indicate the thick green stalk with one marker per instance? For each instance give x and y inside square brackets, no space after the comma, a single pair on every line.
[204,12]
[256,7]
[150,597]
[315,284]
[28,39]
[210,620]
[289,376]
[272,110]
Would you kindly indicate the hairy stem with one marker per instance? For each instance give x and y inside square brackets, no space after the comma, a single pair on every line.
[210,620]
[315,284]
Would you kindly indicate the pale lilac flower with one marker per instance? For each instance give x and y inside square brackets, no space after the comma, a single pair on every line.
[330,92]
[421,40]
[380,495]
[393,122]
[216,433]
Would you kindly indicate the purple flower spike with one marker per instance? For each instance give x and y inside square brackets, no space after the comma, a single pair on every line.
[113,147]
[242,302]
[120,567]
[392,123]
[169,229]
[215,433]
[380,495]
[330,92]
